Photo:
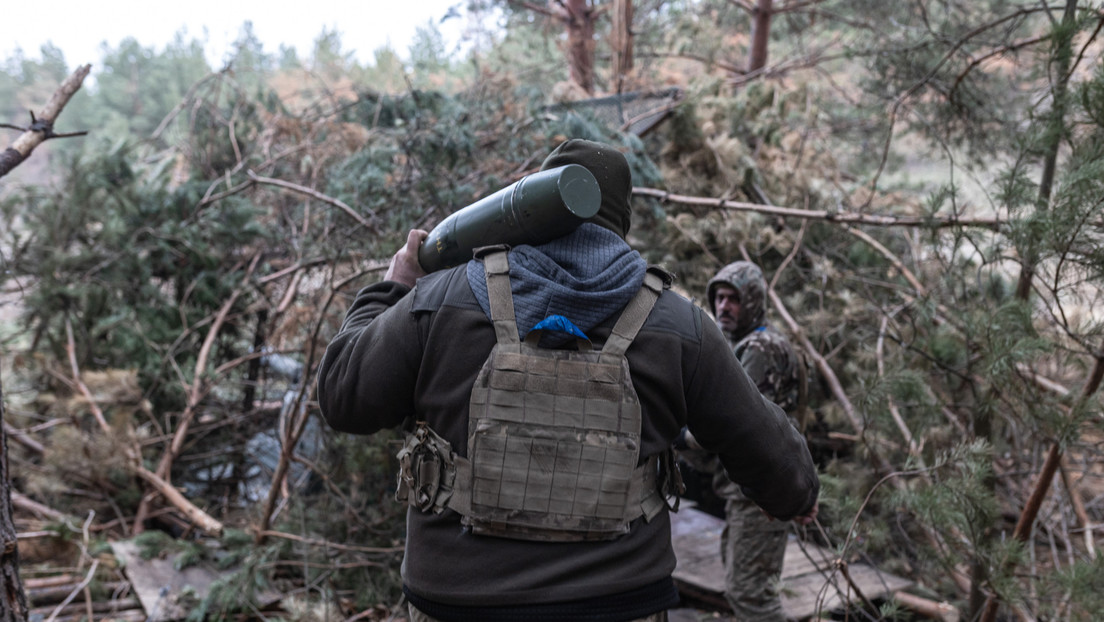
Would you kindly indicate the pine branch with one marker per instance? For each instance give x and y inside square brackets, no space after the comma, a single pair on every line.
[900,100]
[1061,57]
[291,434]
[199,386]
[1004,49]
[936,540]
[195,392]
[1042,483]
[326,544]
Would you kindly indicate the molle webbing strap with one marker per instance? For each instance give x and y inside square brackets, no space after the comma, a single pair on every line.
[501,299]
[632,318]
[460,501]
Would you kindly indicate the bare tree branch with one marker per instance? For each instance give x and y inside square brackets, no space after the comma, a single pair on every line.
[743,4]
[899,101]
[831,216]
[1011,47]
[318,195]
[794,7]
[134,456]
[42,127]
[543,10]
[199,385]
[331,545]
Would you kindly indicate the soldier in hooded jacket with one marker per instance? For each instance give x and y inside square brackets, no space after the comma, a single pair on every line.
[752,544]
[412,352]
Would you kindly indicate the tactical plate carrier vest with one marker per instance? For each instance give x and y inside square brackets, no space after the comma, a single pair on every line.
[553,435]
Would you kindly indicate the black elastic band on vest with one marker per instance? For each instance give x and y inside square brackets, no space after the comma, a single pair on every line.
[638,603]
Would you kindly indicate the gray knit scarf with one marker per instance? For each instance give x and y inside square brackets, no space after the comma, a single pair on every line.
[585,276]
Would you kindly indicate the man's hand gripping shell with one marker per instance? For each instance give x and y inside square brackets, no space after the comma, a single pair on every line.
[404,267]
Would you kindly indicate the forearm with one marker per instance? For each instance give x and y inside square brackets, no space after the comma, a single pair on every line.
[788,486]
[758,445]
[366,378]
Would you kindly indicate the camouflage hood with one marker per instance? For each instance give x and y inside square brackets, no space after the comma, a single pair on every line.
[748,281]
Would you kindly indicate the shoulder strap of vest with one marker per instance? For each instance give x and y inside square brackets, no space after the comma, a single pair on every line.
[501,300]
[634,314]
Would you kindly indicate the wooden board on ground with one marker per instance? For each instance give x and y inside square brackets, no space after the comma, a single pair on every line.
[811,581]
[165,592]
[168,593]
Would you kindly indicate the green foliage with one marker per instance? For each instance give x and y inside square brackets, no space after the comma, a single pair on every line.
[523,52]
[907,389]
[358,510]
[959,495]
[329,56]
[131,263]
[1090,95]
[24,84]
[142,239]
[388,74]
[137,87]
[190,554]
[840,498]
[431,64]
[228,595]
[1082,583]
[249,59]
[76,459]
[929,64]
[1069,235]
[1010,338]
[152,544]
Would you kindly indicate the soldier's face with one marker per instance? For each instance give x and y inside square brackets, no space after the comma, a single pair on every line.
[726,303]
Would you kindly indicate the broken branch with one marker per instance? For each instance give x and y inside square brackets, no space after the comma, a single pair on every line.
[42,127]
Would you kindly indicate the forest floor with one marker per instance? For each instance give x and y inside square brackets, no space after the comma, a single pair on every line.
[65,582]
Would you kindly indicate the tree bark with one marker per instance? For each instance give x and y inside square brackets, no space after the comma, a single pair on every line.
[986,609]
[622,43]
[580,44]
[13,600]
[760,35]
[1042,483]
[1056,120]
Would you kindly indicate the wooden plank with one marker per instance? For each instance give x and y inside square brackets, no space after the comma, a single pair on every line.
[697,540]
[160,587]
[804,595]
[811,581]
[802,560]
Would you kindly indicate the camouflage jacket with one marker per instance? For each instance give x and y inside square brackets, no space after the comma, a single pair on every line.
[772,365]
